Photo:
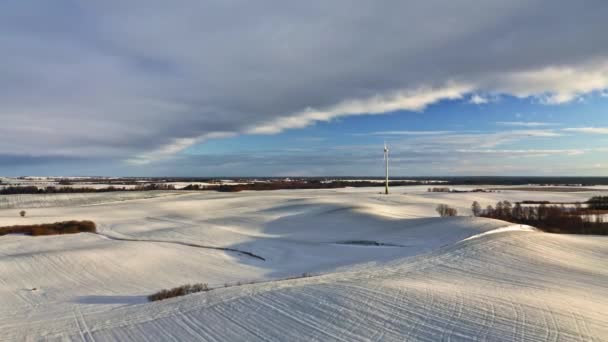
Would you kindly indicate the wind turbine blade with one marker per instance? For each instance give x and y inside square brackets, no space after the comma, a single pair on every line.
[384,157]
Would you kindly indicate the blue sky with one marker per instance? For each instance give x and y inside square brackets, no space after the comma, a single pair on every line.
[216,88]
[514,136]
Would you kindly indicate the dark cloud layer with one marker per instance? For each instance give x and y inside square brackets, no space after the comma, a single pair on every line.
[140,80]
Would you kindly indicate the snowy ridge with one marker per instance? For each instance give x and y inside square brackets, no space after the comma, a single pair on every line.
[509,228]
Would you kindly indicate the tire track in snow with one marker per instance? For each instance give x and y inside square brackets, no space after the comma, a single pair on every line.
[225,249]
[83,328]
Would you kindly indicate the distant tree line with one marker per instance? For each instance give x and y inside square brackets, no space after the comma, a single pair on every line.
[439,190]
[306,184]
[254,186]
[15,190]
[282,185]
[451,190]
[598,203]
[549,218]
[525,180]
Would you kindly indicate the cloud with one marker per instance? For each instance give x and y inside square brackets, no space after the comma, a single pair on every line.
[478,99]
[463,140]
[414,100]
[176,146]
[483,140]
[555,85]
[524,152]
[34,160]
[588,130]
[93,80]
[408,133]
[525,123]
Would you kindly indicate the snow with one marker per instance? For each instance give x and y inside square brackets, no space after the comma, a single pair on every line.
[459,278]
[74,199]
[514,227]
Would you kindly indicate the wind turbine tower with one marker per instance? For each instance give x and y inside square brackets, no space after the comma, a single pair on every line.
[386,168]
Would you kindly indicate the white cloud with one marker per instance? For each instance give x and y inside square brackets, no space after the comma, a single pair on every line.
[536,133]
[409,133]
[523,152]
[483,140]
[525,123]
[478,99]
[413,100]
[554,84]
[174,147]
[588,130]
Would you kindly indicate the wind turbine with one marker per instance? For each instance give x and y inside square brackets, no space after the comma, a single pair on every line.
[386,168]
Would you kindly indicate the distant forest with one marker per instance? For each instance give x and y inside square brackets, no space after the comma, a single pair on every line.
[14,190]
[552,218]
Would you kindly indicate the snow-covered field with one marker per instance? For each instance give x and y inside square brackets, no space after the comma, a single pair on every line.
[429,278]
[76,199]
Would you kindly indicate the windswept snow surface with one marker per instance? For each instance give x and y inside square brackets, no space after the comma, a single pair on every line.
[457,278]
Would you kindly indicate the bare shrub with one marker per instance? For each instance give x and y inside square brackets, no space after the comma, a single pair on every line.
[445,210]
[178,291]
[57,228]
[188,289]
[22,213]
[476,208]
